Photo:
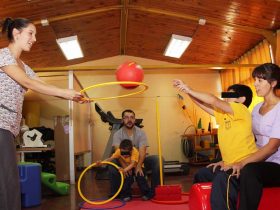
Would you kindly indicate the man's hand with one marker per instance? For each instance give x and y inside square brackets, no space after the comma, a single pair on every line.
[139,170]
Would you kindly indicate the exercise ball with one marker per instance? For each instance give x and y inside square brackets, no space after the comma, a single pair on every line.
[129,71]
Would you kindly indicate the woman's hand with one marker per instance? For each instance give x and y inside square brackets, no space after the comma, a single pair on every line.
[74,95]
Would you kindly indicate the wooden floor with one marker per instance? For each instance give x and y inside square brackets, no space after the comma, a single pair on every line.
[95,189]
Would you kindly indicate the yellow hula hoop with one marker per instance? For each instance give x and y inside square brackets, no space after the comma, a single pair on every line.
[145,87]
[99,202]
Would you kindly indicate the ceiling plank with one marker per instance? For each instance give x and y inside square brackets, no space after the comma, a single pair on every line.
[147,67]
[208,20]
[123,27]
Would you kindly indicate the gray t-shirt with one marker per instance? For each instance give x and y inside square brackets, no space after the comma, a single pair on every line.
[11,94]
[138,139]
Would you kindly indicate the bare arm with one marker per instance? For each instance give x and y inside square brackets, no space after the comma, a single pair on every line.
[261,155]
[17,74]
[142,156]
[264,152]
[203,97]
[203,106]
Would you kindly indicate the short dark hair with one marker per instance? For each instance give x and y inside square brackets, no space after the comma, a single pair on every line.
[126,144]
[269,72]
[9,24]
[129,111]
[243,90]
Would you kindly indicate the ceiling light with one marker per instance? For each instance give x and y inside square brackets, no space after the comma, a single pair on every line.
[70,47]
[177,46]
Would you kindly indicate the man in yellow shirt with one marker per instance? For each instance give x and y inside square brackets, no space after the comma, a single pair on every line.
[235,137]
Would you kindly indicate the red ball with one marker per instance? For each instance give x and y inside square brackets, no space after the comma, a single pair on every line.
[130,71]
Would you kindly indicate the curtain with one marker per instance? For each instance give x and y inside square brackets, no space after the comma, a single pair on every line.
[242,75]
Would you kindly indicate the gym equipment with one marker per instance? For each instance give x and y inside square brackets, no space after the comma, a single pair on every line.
[200,197]
[115,124]
[99,202]
[32,138]
[176,167]
[30,183]
[165,193]
[129,71]
[145,87]
[49,180]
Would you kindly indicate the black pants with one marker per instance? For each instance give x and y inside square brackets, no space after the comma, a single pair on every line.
[142,184]
[151,163]
[9,175]
[254,177]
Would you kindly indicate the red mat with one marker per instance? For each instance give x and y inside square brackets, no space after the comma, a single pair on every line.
[138,204]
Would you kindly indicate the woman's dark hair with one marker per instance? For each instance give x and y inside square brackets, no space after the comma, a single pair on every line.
[9,24]
[243,90]
[126,144]
[269,72]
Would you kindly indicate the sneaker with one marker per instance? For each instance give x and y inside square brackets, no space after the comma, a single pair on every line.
[146,198]
[126,199]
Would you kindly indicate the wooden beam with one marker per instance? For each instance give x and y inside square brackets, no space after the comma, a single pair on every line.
[217,67]
[124,7]
[123,27]
[79,14]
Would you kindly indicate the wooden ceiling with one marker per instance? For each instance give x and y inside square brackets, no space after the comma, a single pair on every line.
[142,28]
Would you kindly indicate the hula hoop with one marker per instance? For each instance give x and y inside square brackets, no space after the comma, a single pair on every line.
[145,87]
[99,202]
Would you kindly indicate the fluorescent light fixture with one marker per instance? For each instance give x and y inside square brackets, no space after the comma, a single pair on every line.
[177,46]
[70,47]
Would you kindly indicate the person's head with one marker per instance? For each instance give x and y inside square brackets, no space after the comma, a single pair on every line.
[267,78]
[244,93]
[20,31]
[126,147]
[128,118]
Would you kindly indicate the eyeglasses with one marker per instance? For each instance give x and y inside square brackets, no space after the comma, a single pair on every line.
[128,117]
[125,153]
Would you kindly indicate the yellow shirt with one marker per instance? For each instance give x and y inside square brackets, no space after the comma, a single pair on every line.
[235,137]
[134,156]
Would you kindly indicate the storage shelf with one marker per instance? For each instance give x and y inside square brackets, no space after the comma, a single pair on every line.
[195,145]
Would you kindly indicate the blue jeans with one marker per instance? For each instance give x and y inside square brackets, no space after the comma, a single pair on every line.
[151,163]
[219,179]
